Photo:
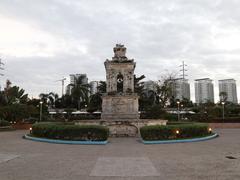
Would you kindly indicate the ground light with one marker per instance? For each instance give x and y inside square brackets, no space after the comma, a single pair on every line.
[210,130]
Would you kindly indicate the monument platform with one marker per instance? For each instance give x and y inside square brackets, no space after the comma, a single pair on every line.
[123,128]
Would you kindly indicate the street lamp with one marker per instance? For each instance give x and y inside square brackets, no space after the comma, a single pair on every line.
[40,118]
[182,111]
[178,103]
[223,110]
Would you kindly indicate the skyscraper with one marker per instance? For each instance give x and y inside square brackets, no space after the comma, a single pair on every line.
[228,86]
[180,89]
[204,90]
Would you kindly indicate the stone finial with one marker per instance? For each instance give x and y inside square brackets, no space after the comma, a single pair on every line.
[119,51]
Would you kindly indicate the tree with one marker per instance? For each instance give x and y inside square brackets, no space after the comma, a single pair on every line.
[15,95]
[138,85]
[17,112]
[95,102]
[3,100]
[44,98]
[223,96]
[53,97]
[164,89]
[102,87]
[80,91]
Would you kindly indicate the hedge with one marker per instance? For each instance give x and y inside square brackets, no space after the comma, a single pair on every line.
[4,123]
[178,131]
[65,131]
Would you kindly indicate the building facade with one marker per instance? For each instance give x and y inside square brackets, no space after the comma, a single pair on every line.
[204,91]
[228,86]
[180,89]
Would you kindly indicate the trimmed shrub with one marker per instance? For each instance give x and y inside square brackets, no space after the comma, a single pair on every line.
[177,131]
[68,131]
[4,123]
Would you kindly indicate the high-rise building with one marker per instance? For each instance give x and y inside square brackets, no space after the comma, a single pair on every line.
[180,89]
[228,86]
[204,91]
[94,87]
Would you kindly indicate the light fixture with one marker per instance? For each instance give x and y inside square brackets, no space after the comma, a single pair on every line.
[210,129]
[177,132]
[30,129]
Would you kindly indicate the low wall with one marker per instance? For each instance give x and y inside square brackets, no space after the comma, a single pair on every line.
[224,125]
[123,128]
[22,126]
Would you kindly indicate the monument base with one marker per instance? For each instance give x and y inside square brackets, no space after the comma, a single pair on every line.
[120,107]
[127,128]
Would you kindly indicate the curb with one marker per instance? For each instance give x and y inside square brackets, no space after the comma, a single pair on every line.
[181,141]
[55,141]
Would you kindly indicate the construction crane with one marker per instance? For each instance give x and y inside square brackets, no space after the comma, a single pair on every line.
[62,80]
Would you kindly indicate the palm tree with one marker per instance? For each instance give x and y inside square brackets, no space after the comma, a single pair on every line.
[53,97]
[80,91]
[15,95]
[44,97]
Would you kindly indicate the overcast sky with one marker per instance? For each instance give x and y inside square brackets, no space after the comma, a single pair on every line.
[42,41]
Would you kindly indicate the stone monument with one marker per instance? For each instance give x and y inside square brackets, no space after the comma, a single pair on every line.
[120,103]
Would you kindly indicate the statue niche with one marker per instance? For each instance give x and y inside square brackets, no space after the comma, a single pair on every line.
[120,83]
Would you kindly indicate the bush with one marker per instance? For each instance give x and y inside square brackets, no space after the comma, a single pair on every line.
[169,132]
[69,131]
[4,123]
[153,112]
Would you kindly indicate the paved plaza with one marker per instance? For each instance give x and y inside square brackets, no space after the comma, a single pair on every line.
[121,159]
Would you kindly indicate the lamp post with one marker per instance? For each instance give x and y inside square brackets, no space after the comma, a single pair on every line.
[40,118]
[178,103]
[223,110]
[182,111]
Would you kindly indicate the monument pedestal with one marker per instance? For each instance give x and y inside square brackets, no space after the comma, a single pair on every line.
[123,128]
[120,107]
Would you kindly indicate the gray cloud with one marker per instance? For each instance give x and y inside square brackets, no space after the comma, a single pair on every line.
[158,34]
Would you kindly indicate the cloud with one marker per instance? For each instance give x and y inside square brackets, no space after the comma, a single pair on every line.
[42,41]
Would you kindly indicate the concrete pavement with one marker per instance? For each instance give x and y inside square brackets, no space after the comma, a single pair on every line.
[121,159]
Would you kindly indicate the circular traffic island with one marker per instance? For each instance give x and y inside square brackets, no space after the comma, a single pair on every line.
[176,133]
[68,133]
